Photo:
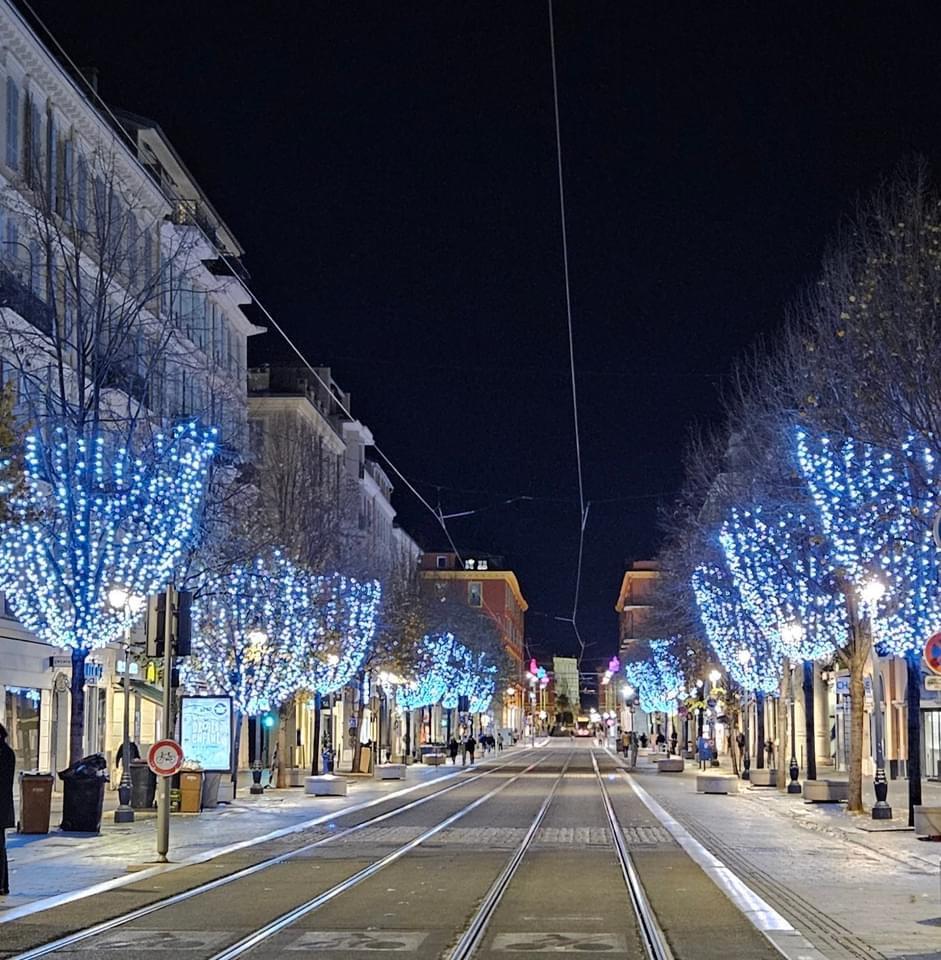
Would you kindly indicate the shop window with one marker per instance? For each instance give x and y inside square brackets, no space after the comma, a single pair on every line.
[22,723]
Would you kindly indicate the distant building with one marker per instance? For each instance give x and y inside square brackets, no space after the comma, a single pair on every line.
[565,681]
[635,602]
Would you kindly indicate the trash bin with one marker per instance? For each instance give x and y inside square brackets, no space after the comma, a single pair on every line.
[191,790]
[143,785]
[83,795]
[35,802]
[210,797]
[327,758]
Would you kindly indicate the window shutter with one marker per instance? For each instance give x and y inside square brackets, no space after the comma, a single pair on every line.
[13,124]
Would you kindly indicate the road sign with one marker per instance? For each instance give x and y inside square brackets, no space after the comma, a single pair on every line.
[933,653]
[165,758]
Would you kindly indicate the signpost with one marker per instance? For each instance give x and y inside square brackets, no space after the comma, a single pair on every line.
[933,653]
[165,758]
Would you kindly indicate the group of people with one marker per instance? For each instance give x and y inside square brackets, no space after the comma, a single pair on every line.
[466,746]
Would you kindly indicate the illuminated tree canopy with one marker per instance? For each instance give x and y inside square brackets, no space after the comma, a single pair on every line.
[657,676]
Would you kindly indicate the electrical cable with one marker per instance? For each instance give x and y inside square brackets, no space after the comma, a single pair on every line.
[583,507]
[226,261]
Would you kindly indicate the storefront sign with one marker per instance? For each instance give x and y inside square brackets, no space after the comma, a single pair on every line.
[843,686]
[206,732]
[933,683]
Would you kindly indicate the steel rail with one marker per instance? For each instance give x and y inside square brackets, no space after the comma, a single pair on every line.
[123,919]
[473,935]
[275,926]
[654,940]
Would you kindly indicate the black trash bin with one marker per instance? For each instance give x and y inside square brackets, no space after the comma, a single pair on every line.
[143,785]
[83,794]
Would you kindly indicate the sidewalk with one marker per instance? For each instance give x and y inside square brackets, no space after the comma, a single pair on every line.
[63,865]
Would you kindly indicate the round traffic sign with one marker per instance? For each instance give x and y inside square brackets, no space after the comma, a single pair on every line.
[933,653]
[165,758]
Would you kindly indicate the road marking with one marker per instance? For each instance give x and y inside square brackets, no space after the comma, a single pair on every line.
[543,942]
[352,940]
[156,941]
[759,911]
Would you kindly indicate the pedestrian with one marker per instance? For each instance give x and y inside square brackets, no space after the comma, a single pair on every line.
[703,751]
[7,817]
[643,740]
[500,742]
[133,754]
[471,745]
[633,749]
[464,752]
[453,748]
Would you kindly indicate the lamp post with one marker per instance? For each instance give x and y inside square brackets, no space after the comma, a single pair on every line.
[744,657]
[791,634]
[119,599]
[257,639]
[871,593]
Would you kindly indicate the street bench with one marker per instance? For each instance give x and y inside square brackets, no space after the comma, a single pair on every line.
[928,822]
[826,791]
[435,759]
[325,786]
[763,777]
[390,771]
[670,765]
[716,783]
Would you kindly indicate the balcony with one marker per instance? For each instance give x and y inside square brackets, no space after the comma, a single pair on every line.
[17,296]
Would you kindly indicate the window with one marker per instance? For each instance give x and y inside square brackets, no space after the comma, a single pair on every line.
[475,594]
[22,723]
[81,192]
[442,563]
[13,124]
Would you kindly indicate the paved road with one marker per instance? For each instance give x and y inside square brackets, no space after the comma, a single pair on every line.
[531,839]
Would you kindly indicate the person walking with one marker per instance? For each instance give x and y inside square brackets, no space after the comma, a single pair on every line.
[453,748]
[499,742]
[7,817]
[471,745]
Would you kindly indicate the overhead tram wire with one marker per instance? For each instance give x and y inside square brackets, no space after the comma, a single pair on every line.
[95,96]
[583,506]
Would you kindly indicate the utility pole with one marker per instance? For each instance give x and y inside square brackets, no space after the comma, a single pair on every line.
[163,801]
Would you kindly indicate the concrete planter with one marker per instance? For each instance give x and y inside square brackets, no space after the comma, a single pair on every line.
[670,765]
[826,791]
[390,771]
[327,786]
[716,783]
[764,777]
[928,821]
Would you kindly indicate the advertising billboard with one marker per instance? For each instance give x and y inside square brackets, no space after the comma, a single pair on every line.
[206,732]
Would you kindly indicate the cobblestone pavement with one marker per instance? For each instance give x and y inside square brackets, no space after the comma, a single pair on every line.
[864,896]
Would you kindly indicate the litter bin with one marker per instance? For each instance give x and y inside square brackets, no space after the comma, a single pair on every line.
[327,759]
[83,795]
[143,785]
[210,797]
[191,790]
[35,802]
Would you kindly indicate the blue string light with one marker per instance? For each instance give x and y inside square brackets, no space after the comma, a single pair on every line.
[657,677]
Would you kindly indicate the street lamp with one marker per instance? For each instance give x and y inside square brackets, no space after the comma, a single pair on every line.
[257,639]
[127,604]
[792,633]
[744,658]
[871,593]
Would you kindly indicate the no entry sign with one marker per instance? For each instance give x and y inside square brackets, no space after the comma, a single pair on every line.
[165,758]
[933,653]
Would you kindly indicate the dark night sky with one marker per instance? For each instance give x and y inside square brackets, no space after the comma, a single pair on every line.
[390,170]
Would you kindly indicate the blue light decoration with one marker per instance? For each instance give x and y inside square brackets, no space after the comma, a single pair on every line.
[89,516]
[341,629]
[656,675]
[782,571]
[876,508]
[251,636]
[743,649]
[470,675]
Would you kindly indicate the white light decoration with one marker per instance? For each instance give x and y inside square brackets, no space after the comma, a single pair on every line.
[731,631]
[656,675]
[88,517]
[779,564]
[876,508]
[446,671]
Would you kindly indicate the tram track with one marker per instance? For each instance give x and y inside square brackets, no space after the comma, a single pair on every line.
[106,926]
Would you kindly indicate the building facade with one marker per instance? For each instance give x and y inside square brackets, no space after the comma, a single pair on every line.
[635,602]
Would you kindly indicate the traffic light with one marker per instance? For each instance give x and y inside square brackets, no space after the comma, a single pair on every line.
[181,623]
[184,623]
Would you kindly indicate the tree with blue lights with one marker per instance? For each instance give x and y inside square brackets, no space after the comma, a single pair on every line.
[784,578]
[655,672]
[876,508]
[89,516]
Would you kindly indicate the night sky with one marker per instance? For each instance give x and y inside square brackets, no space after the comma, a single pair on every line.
[390,170]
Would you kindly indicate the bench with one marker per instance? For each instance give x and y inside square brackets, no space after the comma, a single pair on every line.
[716,783]
[390,771]
[325,786]
[670,765]
[928,822]
[826,791]
[763,777]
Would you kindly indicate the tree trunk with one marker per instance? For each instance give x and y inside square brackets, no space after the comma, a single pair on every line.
[315,759]
[357,736]
[759,729]
[407,744]
[857,693]
[811,751]
[236,746]
[913,698]
[77,706]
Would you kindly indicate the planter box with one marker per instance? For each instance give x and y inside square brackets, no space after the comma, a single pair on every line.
[763,778]
[670,765]
[716,783]
[435,759]
[928,821]
[390,771]
[295,776]
[826,791]
[326,786]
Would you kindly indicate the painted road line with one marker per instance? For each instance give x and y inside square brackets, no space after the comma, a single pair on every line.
[47,903]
